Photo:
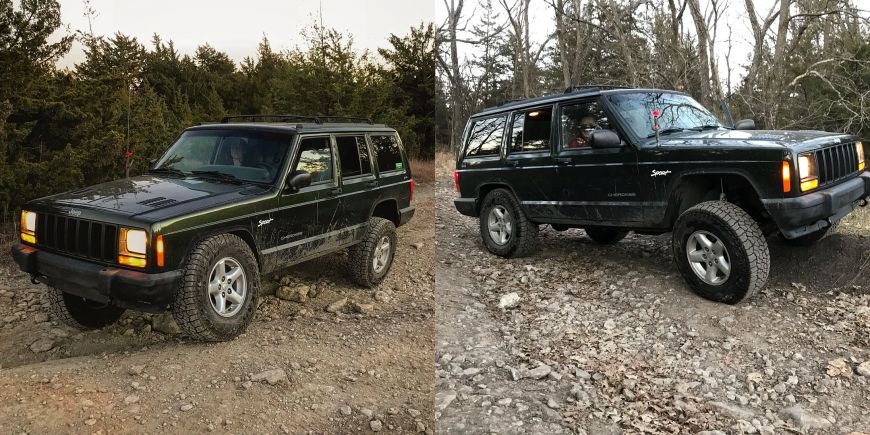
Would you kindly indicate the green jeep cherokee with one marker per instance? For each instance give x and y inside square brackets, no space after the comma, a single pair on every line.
[226,203]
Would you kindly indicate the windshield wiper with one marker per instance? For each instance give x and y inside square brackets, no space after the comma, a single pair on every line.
[170,171]
[223,176]
[670,130]
[707,127]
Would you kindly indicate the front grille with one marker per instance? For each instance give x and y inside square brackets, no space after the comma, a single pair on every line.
[836,162]
[77,237]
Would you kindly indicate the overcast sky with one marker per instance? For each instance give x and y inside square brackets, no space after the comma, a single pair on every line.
[236,27]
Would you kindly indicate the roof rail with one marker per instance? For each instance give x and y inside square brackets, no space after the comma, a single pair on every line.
[578,88]
[289,118]
[280,118]
[347,118]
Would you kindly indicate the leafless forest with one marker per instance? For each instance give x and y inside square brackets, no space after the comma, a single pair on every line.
[787,64]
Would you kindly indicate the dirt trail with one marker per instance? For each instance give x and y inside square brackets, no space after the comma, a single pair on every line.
[345,372]
[609,340]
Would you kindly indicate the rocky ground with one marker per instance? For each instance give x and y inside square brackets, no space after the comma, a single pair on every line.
[325,357]
[589,339]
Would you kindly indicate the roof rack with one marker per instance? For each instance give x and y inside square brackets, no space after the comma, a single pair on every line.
[290,118]
[578,88]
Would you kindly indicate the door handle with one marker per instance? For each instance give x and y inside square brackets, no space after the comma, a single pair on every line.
[563,161]
[335,191]
[512,162]
[373,183]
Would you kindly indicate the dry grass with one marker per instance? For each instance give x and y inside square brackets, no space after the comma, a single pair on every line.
[423,170]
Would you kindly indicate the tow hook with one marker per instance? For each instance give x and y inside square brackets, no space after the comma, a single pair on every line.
[34,280]
[863,202]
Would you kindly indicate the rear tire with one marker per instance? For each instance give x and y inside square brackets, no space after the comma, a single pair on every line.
[79,312]
[370,260]
[605,236]
[219,290]
[727,258]
[501,217]
[808,239]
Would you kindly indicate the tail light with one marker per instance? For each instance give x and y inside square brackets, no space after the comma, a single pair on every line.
[412,191]
[456,179]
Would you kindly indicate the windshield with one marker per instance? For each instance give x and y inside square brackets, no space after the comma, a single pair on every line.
[254,156]
[676,112]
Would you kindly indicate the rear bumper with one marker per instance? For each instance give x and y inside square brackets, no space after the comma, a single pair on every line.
[150,292]
[817,210]
[405,215]
[466,206]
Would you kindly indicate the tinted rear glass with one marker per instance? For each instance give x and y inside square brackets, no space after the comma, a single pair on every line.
[387,154]
[485,137]
[353,155]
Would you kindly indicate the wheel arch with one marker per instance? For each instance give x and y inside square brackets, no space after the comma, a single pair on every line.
[237,230]
[694,187]
[388,209]
[484,188]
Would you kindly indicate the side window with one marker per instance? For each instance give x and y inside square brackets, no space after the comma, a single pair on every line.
[387,154]
[531,130]
[578,121]
[353,155]
[315,156]
[485,137]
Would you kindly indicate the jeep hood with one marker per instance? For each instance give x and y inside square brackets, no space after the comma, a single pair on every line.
[160,196]
[799,139]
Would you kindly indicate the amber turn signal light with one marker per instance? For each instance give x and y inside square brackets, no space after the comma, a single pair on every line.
[131,261]
[158,247]
[786,177]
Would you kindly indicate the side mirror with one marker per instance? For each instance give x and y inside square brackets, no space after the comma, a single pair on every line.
[744,124]
[297,180]
[151,163]
[605,139]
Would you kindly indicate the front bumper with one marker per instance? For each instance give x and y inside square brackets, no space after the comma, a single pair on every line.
[150,292]
[814,211]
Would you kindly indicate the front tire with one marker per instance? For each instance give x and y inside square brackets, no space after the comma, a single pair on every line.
[504,227]
[79,312]
[605,236]
[721,252]
[219,290]
[370,260]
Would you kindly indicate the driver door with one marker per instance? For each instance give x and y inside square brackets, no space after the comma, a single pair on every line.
[297,230]
[597,185]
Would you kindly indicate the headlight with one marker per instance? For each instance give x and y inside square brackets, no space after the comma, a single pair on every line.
[808,172]
[28,226]
[859,146]
[131,247]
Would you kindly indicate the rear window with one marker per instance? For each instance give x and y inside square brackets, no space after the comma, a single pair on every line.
[485,137]
[387,153]
[353,155]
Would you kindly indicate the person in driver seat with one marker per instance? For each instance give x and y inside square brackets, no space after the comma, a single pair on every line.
[237,151]
[583,132]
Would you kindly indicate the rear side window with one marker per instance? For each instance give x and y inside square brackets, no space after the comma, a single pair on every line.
[387,153]
[485,137]
[531,130]
[315,157]
[353,154]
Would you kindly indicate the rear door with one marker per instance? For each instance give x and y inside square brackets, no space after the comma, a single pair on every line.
[596,185]
[391,165]
[359,186]
[529,160]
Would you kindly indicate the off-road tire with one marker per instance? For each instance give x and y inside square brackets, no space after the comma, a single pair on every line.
[744,241]
[359,262]
[808,239]
[81,313]
[192,307]
[524,237]
[605,236]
